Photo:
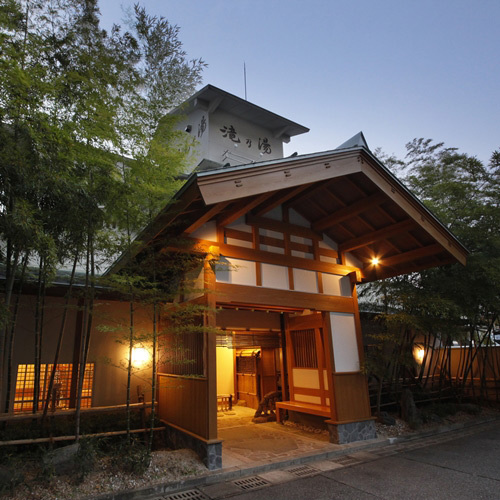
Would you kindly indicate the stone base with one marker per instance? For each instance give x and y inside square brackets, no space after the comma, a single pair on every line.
[210,452]
[353,431]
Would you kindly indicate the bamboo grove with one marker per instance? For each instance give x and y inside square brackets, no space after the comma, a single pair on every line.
[434,331]
[87,158]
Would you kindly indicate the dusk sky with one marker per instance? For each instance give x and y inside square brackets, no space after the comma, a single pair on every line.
[395,69]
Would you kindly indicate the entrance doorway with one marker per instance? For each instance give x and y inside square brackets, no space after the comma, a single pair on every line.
[249,355]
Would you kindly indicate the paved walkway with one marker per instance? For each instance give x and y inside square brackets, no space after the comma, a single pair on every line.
[460,465]
[267,456]
[247,444]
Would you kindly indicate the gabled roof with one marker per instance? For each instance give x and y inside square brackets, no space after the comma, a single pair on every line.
[357,141]
[212,98]
[345,193]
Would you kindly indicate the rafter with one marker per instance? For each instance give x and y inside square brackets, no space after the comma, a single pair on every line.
[389,273]
[242,207]
[209,214]
[374,236]
[314,188]
[411,255]
[279,198]
[348,212]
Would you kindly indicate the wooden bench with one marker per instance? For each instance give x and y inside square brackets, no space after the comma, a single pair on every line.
[301,407]
[224,402]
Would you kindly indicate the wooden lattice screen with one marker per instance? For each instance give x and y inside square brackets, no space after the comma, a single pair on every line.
[182,353]
[25,386]
[304,348]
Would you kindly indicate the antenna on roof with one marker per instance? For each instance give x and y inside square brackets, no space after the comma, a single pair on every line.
[245,78]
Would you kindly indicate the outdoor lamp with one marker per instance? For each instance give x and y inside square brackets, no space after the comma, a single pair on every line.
[140,356]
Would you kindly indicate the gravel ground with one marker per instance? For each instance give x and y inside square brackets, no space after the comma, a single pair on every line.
[165,466]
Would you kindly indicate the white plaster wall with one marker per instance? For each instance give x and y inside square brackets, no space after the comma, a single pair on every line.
[239,243]
[276,213]
[302,255]
[328,243]
[305,281]
[297,219]
[275,277]
[206,232]
[331,284]
[200,137]
[336,285]
[240,225]
[270,233]
[242,152]
[236,271]
[345,346]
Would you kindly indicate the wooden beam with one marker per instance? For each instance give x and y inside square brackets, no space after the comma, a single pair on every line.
[399,195]
[283,227]
[389,273]
[276,242]
[260,296]
[411,255]
[278,259]
[241,208]
[374,236]
[209,214]
[348,212]
[235,184]
[243,253]
[279,198]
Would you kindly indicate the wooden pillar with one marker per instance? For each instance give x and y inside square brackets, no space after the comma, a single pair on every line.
[330,363]
[210,349]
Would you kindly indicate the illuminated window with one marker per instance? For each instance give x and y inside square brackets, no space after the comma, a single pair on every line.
[25,384]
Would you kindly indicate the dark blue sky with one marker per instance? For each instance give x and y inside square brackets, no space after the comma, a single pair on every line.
[395,69]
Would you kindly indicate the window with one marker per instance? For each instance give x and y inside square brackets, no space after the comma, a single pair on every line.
[304,348]
[25,384]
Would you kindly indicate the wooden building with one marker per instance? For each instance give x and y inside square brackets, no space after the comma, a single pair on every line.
[285,241]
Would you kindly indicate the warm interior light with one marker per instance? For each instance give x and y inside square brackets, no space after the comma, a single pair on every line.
[419,354]
[140,356]
[375,261]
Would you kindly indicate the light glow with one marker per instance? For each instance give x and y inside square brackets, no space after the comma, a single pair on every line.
[140,357]
[419,354]
[375,261]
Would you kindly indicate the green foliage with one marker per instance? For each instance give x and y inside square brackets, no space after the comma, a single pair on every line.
[87,156]
[132,458]
[449,302]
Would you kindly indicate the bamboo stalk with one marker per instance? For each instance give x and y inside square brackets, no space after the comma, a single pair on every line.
[70,412]
[73,438]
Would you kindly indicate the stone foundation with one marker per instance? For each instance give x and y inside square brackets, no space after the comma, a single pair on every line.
[353,431]
[210,452]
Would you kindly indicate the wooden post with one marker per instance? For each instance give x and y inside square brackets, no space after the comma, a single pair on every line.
[210,351]
[329,362]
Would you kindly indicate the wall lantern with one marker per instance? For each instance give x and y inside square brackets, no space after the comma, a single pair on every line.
[418,354]
[140,357]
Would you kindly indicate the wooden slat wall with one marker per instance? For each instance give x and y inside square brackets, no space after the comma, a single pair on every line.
[351,396]
[183,401]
